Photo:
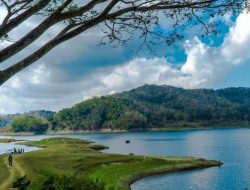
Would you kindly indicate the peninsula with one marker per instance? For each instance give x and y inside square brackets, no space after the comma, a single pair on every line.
[66,162]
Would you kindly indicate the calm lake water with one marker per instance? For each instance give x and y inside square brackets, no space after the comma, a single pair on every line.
[231,146]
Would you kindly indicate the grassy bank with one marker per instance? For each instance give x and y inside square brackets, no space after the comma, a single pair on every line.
[123,175]
[65,156]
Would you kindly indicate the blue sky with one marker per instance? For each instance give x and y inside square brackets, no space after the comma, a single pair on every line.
[79,69]
[239,77]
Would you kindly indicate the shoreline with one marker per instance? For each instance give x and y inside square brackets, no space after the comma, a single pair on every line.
[170,129]
[163,171]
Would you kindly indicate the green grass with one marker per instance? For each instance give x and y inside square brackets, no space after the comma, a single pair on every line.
[114,173]
[122,175]
[65,156]
[8,174]
[3,175]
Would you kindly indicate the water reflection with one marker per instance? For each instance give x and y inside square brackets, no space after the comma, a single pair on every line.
[171,139]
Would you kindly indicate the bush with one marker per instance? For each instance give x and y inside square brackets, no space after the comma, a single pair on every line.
[29,124]
[21,183]
[71,183]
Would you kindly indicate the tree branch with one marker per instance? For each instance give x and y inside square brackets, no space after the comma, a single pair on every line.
[34,34]
[13,23]
[80,19]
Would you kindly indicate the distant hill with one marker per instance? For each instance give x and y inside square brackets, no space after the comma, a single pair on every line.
[152,106]
[8,118]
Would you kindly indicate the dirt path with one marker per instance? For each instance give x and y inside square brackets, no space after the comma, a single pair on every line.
[15,172]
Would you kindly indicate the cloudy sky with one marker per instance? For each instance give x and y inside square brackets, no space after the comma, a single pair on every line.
[79,69]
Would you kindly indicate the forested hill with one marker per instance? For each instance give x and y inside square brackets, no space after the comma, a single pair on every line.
[152,106]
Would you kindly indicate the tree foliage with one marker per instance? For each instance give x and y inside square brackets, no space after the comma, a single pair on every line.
[146,107]
[29,124]
[119,20]
[7,119]
[95,114]
[156,106]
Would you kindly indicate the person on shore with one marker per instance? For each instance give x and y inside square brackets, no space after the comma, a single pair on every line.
[10,160]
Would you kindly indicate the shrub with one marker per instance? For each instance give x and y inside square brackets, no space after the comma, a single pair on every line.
[71,183]
[22,183]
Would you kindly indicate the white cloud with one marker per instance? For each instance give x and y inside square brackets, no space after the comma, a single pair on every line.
[44,86]
[236,44]
[205,65]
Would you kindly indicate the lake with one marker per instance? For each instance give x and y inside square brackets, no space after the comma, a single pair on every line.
[231,146]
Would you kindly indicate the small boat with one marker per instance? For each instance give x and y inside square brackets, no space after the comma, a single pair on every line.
[127,141]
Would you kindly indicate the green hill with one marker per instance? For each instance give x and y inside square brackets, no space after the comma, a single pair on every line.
[149,107]
[152,106]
